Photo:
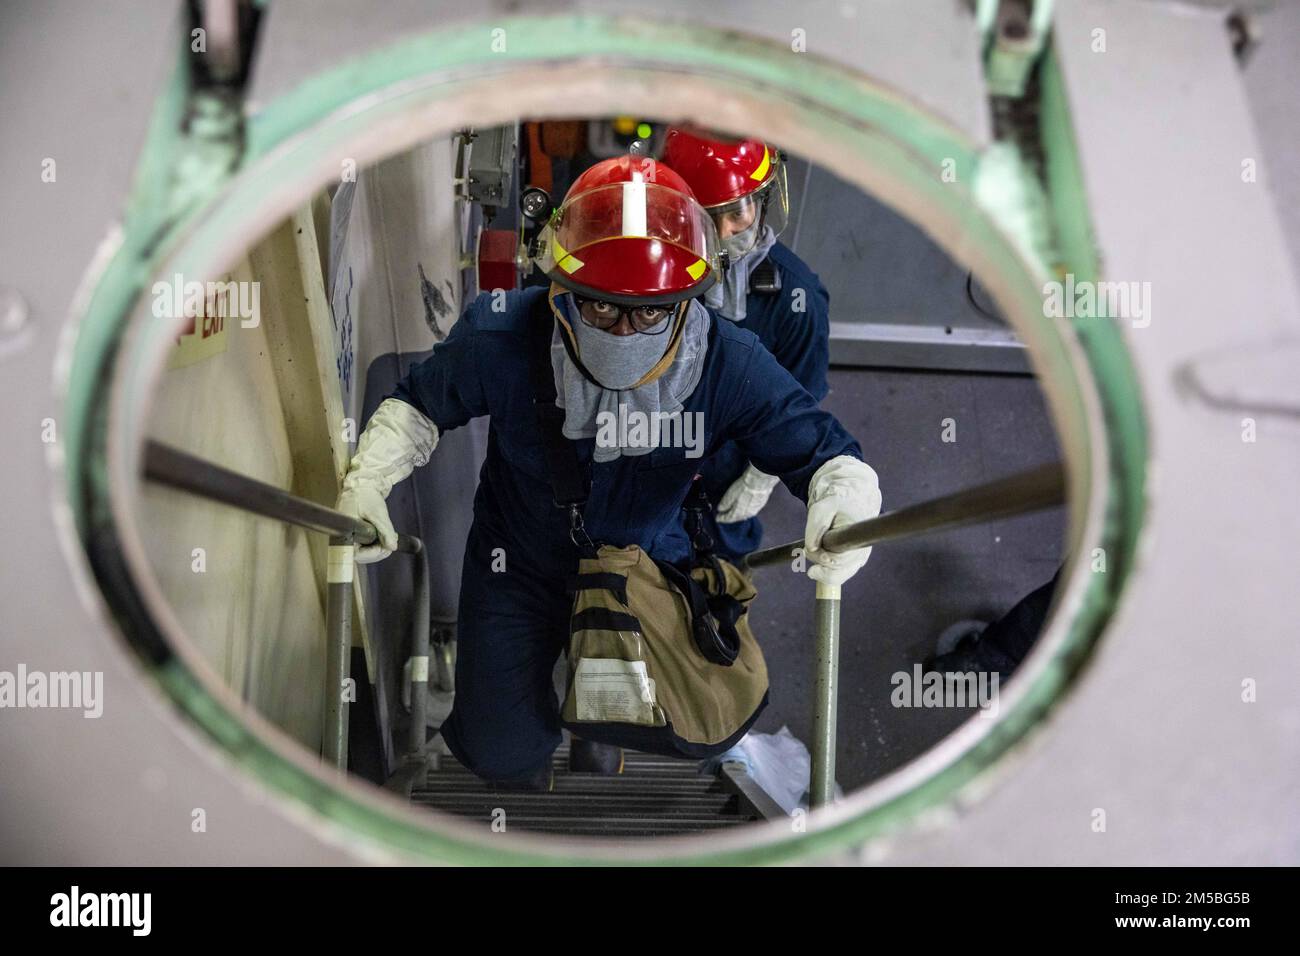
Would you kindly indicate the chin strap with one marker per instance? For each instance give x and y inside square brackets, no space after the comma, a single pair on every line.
[569,479]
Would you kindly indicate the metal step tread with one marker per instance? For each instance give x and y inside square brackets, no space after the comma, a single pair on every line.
[653,796]
[476,804]
[619,828]
[574,783]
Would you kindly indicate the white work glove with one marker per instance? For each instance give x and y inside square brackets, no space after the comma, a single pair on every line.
[746,496]
[842,492]
[397,440]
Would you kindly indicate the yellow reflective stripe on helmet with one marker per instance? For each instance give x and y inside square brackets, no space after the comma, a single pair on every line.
[565,259]
[763,166]
[696,269]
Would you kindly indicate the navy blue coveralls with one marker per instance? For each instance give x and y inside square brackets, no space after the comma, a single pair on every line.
[800,342]
[514,619]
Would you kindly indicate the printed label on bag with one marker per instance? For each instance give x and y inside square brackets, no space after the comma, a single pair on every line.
[607,689]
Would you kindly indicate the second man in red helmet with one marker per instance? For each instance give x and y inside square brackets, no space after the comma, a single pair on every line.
[766,289]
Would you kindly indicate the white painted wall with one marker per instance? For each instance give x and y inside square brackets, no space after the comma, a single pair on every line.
[398,220]
[255,613]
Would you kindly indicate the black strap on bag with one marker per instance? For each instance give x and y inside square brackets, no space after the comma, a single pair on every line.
[568,484]
[714,612]
[715,647]
[615,584]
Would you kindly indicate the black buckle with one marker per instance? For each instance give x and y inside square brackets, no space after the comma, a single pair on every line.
[578,528]
[698,532]
[764,279]
[697,504]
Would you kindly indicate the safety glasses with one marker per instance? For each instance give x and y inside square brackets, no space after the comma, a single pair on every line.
[644,319]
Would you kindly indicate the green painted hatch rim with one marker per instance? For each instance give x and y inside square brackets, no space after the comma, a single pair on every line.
[885,128]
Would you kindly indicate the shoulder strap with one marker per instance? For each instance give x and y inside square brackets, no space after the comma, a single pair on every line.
[695,507]
[568,484]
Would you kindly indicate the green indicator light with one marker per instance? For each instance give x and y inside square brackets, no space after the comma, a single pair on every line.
[644,130]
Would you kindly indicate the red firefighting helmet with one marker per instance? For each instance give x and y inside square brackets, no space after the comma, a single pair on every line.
[630,231]
[728,175]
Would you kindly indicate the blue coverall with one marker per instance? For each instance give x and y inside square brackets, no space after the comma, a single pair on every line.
[514,622]
[800,342]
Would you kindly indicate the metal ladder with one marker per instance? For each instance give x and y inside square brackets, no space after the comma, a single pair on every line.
[653,796]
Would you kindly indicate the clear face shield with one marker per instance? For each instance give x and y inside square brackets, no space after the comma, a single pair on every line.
[741,221]
[633,244]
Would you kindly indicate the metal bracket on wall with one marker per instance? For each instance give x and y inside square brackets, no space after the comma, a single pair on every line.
[1015,31]
[491,165]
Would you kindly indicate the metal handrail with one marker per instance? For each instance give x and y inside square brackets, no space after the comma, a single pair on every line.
[1032,490]
[181,470]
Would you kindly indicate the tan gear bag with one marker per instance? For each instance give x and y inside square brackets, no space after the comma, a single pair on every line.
[639,676]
